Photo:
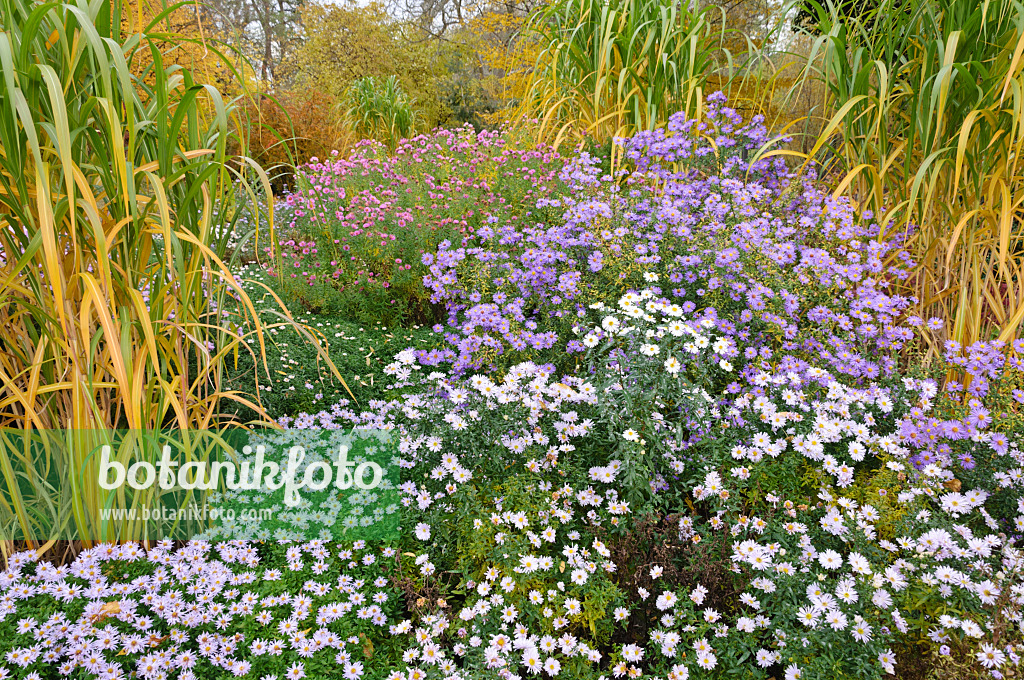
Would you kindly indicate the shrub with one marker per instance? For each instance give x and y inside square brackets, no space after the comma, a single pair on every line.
[294,126]
[847,534]
[767,254]
[362,224]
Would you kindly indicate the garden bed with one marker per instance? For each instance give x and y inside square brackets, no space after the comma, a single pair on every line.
[671,422]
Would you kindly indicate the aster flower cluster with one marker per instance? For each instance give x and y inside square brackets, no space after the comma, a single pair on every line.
[841,541]
[836,577]
[781,263]
[358,226]
[199,611]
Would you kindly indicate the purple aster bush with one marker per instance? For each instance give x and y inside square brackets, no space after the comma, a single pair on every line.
[232,609]
[771,256]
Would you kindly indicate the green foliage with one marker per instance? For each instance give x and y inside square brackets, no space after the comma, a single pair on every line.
[301,381]
[463,95]
[380,109]
[483,551]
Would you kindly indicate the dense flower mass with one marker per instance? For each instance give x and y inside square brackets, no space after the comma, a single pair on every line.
[772,257]
[677,430]
[359,226]
[801,482]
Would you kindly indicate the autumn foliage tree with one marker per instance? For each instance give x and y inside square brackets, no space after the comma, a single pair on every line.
[344,43]
[184,36]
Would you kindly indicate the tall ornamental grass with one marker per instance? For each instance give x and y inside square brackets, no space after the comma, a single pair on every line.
[928,99]
[610,68]
[378,108]
[117,309]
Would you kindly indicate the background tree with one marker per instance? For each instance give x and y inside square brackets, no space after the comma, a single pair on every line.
[464,93]
[184,36]
[343,43]
[505,53]
[264,31]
